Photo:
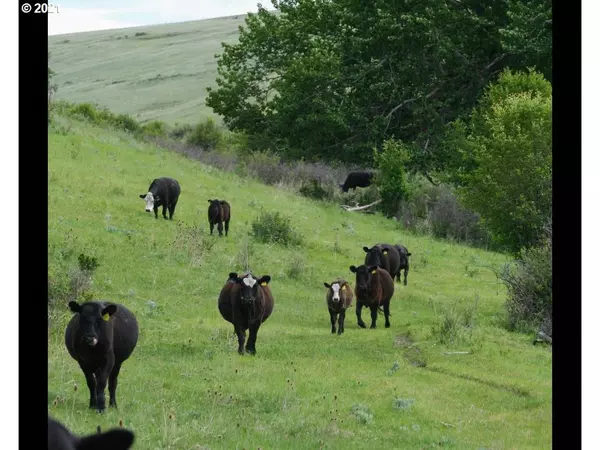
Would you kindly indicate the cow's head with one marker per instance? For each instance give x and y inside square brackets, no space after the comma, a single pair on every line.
[94,320]
[150,200]
[364,274]
[249,287]
[336,290]
[375,256]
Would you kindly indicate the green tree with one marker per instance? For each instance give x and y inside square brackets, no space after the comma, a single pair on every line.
[333,79]
[390,179]
[507,146]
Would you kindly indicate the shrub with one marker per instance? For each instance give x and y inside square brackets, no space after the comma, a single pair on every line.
[181,131]
[313,189]
[529,284]
[206,134]
[455,325]
[265,166]
[155,128]
[275,228]
[390,178]
[507,144]
[362,413]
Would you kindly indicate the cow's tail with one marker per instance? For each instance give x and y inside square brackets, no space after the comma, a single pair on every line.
[380,311]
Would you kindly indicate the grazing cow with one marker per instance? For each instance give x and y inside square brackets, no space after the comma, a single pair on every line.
[246,302]
[100,336]
[162,192]
[385,256]
[357,179]
[339,298]
[60,438]
[403,261]
[219,211]
[374,289]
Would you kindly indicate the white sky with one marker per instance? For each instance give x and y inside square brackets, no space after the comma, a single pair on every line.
[88,15]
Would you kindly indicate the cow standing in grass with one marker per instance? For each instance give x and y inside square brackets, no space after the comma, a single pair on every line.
[162,192]
[374,289]
[385,256]
[219,212]
[100,336]
[60,438]
[403,253]
[357,179]
[246,302]
[339,298]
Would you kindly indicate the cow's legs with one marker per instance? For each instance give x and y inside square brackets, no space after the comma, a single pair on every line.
[361,323]
[405,274]
[172,210]
[241,334]
[156,212]
[333,317]
[212,227]
[91,384]
[374,316]
[251,344]
[227,228]
[112,385]
[386,312]
[220,228]
[164,211]
[341,320]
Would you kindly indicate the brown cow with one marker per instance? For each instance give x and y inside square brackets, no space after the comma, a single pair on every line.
[219,211]
[339,298]
[374,289]
[386,256]
[246,302]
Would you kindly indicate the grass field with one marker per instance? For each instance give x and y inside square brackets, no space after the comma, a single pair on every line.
[151,72]
[185,386]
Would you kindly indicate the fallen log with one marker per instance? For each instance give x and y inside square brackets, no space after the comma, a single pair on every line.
[359,208]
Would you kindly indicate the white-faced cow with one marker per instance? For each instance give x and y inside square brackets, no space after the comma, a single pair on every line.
[339,298]
[374,289]
[60,438]
[100,336]
[246,302]
[162,192]
[357,179]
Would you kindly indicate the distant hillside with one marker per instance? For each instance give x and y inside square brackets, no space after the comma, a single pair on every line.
[151,72]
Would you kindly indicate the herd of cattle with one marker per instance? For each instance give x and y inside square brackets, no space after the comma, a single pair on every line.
[101,335]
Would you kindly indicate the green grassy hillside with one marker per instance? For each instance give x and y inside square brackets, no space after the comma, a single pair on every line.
[152,72]
[186,387]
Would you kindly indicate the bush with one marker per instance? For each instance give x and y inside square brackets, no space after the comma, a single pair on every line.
[508,145]
[181,131]
[206,134]
[275,228]
[155,128]
[455,325]
[313,189]
[529,302]
[390,178]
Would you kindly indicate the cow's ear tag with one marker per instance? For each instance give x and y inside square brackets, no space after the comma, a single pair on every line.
[374,271]
[106,317]
[385,252]
[343,287]
[264,283]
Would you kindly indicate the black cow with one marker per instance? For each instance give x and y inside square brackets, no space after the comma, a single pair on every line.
[100,336]
[162,192]
[246,302]
[357,179]
[219,212]
[403,261]
[59,438]
[339,298]
[385,256]
[374,289]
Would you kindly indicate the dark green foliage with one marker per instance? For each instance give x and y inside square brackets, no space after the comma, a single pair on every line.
[275,228]
[87,263]
[313,189]
[332,80]
[506,147]
[390,177]
[529,285]
[206,135]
